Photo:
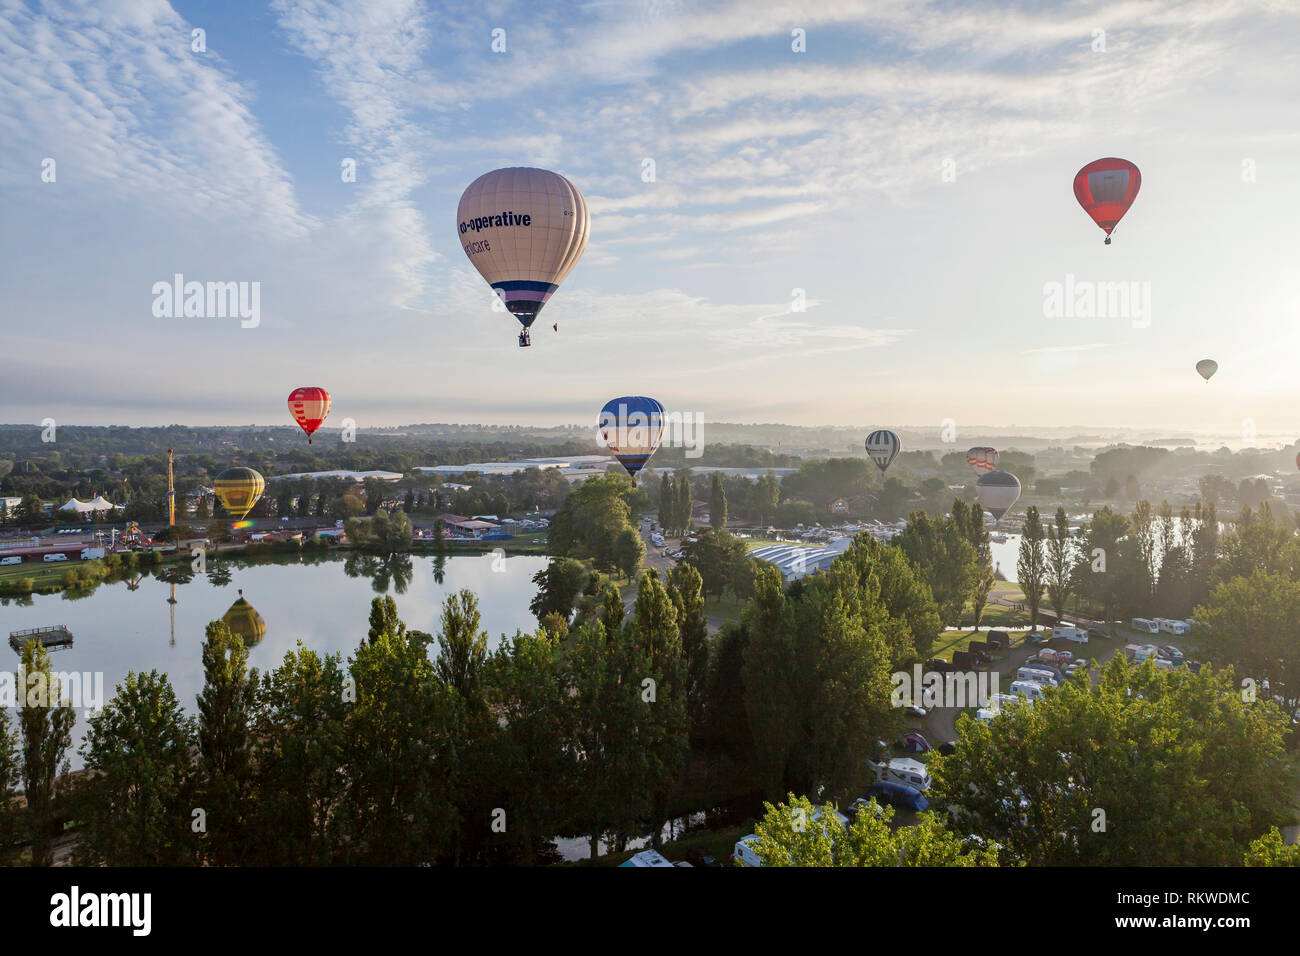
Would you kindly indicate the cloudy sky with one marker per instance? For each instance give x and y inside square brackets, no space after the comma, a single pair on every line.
[862,232]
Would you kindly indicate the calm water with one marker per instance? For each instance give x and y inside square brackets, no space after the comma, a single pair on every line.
[118,629]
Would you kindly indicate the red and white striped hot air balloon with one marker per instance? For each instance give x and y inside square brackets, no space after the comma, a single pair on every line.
[982,458]
[309,406]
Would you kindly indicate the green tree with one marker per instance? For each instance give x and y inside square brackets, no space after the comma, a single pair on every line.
[941,552]
[798,833]
[45,720]
[558,587]
[629,550]
[1269,850]
[768,673]
[767,495]
[686,589]
[1031,568]
[1249,623]
[721,560]
[717,503]
[1059,563]
[10,774]
[136,798]
[226,705]
[972,519]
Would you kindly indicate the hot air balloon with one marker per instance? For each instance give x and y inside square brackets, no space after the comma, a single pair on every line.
[1206,368]
[1105,189]
[243,620]
[982,458]
[238,489]
[882,447]
[309,406]
[632,427]
[998,491]
[524,230]
[1297,460]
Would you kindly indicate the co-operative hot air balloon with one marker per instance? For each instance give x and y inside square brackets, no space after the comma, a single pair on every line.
[982,458]
[1105,189]
[882,447]
[1206,368]
[238,489]
[524,230]
[998,491]
[632,427]
[309,406]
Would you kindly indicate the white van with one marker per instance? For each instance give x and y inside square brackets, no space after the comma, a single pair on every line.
[1027,688]
[903,770]
[1069,632]
[60,556]
[1145,624]
[1171,626]
[744,851]
[1037,675]
[13,559]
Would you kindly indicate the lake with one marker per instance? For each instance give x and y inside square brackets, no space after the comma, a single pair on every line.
[324,603]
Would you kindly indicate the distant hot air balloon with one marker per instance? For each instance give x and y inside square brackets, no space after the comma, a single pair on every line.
[1297,460]
[238,489]
[998,491]
[882,447]
[982,458]
[524,230]
[632,427]
[309,406]
[1105,189]
[243,619]
[1206,368]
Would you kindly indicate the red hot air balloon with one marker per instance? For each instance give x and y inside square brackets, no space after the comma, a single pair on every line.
[1105,189]
[309,407]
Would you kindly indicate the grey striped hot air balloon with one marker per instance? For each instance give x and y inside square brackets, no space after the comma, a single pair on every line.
[882,447]
[998,491]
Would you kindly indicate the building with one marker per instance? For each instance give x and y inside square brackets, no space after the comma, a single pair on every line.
[98,504]
[342,473]
[573,466]
[796,562]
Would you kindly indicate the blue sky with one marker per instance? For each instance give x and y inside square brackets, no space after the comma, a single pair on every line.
[775,171]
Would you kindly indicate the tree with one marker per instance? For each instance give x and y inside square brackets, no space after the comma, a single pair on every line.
[45,721]
[1184,771]
[717,503]
[1031,570]
[972,519]
[226,705]
[1270,850]
[685,589]
[558,587]
[684,502]
[797,833]
[767,495]
[10,773]
[1099,573]
[1059,563]
[721,560]
[629,550]
[302,709]
[588,524]
[768,674]
[136,799]
[1249,623]
[941,552]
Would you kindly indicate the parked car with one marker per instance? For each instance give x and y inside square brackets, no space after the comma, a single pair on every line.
[898,795]
[14,559]
[698,857]
[915,711]
[1097,633]
[939,665]
[1036,637]
[913,743]
[1171,653]
[56,557]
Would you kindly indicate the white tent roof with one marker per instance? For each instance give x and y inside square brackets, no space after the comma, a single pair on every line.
[100,503]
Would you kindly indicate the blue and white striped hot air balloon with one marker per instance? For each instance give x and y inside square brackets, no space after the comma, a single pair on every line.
[632,427]
[882,446]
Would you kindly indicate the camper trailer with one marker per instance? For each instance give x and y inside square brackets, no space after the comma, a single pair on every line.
[1027,688]
[1139,652]
[1171,626]
[903,770]
[1145,625]
[1037,675]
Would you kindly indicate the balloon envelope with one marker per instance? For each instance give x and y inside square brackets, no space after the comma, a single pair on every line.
[309,405]
[243,619]
[632,427]
[883,447]
[238,489]
[1106,189]
[524,230]
[982,458]
[1206,368]
[998,491]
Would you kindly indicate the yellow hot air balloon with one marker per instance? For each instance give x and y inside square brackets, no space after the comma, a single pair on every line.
[238,489]
[243,619]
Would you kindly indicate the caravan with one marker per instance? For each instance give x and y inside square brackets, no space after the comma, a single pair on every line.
[904,770]
[1171,626]
[1038,675]
[1146,625]
[1027,688]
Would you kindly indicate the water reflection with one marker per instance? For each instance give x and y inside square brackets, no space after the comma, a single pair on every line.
[393,570]
[243,619]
